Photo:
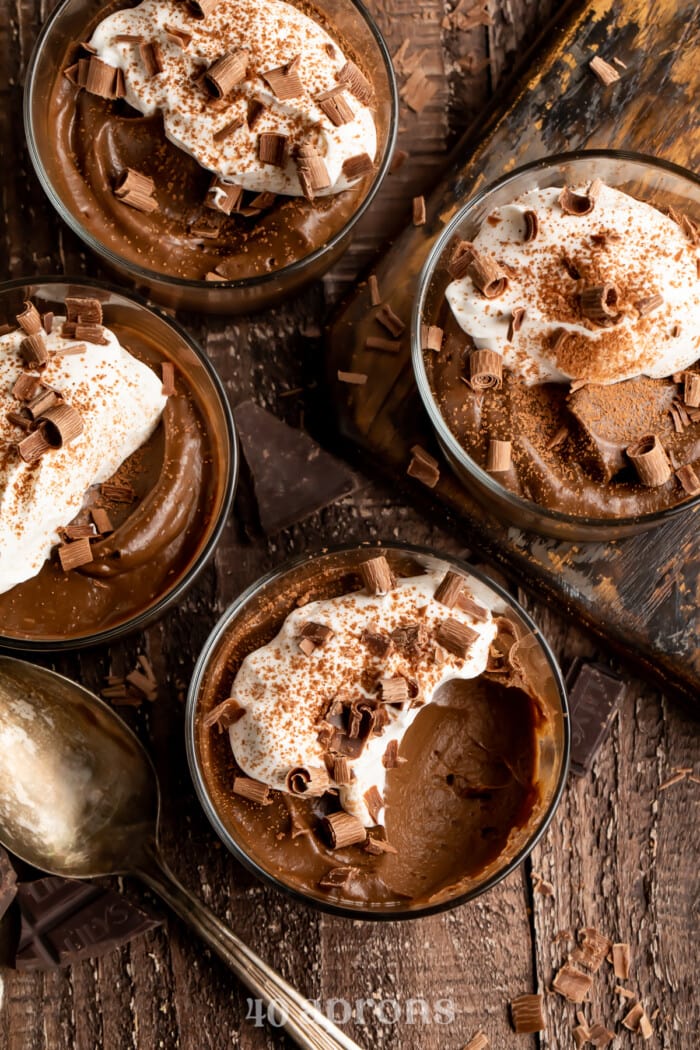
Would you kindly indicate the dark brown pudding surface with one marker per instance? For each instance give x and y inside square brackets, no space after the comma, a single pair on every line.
[98,140]
[157,534]
[463,800]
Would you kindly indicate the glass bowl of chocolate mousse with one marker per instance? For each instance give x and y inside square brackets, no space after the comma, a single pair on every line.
[556,344]
[218,153]
[118,463]
[380,732]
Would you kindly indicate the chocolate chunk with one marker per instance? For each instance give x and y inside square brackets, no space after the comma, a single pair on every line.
[65,920]
[292,476]
[317,633]
[74,554]
[312,171]
[594,694]
[137,191]
[8,882]
[592,950]
[336,106]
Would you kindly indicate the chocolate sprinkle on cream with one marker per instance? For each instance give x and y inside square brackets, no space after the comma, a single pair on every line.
[33,350]
[394,690]
[61,424]
[488,277]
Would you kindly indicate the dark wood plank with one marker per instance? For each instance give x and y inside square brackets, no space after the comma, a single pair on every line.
[638,594]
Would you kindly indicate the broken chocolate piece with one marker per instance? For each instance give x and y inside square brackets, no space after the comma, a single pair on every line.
[352,378]
[226,131]
[224,196]
[377,575]
[600,302]
[605,73]
[498,456]
[275,453]
[117,492]
[29,319]
[357,167]
[450,588]
[389,346]
[592,950]
[344,830]
[419,214]
[101,78]
[102,521]
[66,920]
[468,605]
[317,633]
[423,467]
[356,82]
[152,58]
[485,370]
[594,694]
[342,773]
[336,877]
[224,715]
[691,389]
[394,690]
[431,337]
[374,293]
[137,191]
[477,1042]
[389,320]
[253,790]
[455,636]
[336,106]
[272,148]
[312,171]
[74,554]
[648,304]
[600,1036]
[649,459]
[25,387]
[378,643]
[526,1013]
[572,983]
[167,369]
[374,802]
[284,82]
[621,960]
[223,75]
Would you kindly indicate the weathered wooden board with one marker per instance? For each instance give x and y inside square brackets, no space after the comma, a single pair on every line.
[640,594]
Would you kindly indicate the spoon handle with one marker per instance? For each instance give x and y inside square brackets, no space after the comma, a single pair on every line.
[306,1025]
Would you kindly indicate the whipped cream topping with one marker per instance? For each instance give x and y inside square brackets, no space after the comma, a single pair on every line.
[285,693]
[272,34]
[622,241]
[120,401]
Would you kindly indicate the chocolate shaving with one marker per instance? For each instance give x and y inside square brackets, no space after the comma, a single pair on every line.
[389,320]
[455,636]
[377,576]
[418,90]
[223,75]
[572,203]
[485,370]
[353,378]
[605,73]
[689,479]
[337,877]
[312,171]
[600,302]
[472,608]
[498,456]
[33,350]
[621,961]
[88,311]
[25,387]
[449,589]
[356,82]
[201,8]
[394,690]
[648,304]
[526,1013]
[342,773]
[224,715]
[398,160]
[73,555]
[127,38]
[284,81]
[378,847]
[374,802]
[649,459]
[391,758]
[272,148]
[136,190]
[317,633]
[431,337]
[20,419]
[691,389]
[516,322]
[312,781]
[572,983]
[593,949]
[378,643]
[29,319]
[478,1042]
[226,131]
[117,492]
[33,446]
[374,293]
[167,369]
[599,1036]
[177,36]
[487,276]
[419,214]
[100,79]
[532,225]
[423,467]
[224,197]
[61,424]
[253,790]
[357,167]
[336,106]
[71,351]
[152,58]
[45,398]
[344,830]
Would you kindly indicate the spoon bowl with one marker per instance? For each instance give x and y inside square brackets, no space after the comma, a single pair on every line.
[79,797]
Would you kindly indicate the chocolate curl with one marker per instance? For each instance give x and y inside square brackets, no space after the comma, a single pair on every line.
[342,773]
[431,337]
[498,456]
[33,350]
[101,78]
[394,690]
[253,790]
[61,425]
[532,225]
[460,260]
[44,400]
[223,75]
[374,802]
[455,636]
[336,106]
[311,781]
[377,575]
[487,276]
[688,479]
[344,829]
[152,58]
[312,171]
[649,459]
[485,370]
[600,302]
[33,447]
[25,387]
[229,710]
[649,303]
[88,311]
[136,190]
[576,203]
[228,129]
[272,148]
[691,389]
[29,320]
[224,196]
[356,82]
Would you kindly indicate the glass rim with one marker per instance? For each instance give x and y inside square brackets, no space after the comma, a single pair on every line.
[226,836]
[241,283]
[444,434]
[154,611]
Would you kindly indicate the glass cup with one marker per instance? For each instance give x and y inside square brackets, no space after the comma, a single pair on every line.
[656,182]
[66,25]
[256,617]
[124,314]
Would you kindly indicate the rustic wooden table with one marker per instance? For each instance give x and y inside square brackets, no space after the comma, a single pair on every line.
[621,855]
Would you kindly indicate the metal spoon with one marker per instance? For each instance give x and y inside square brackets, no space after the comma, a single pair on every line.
[79,797]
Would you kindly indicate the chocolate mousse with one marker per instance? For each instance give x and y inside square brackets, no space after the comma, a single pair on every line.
[212,141]
[564,350]
[108,481]
[373,739]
